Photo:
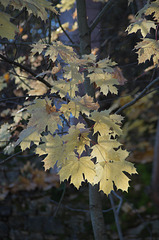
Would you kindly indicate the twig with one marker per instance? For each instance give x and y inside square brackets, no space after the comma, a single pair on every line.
[50,18]
[2,41]
[77,209]
[26,69]
[100,15]
[59,203]
[116,217]
[58,19]
[139,96]
[8,158]
[120,201]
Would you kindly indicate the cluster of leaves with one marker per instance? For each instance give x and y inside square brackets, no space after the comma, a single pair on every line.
[77,138]
[147,48]
[67,127]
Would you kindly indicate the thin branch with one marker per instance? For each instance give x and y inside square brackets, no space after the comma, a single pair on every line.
[107,7]
[116,217]
[60,202]
[77,209]
[120,201]
[50,19]
[10,157]
[26,69]
[3,41]
[139,96]
[58,19]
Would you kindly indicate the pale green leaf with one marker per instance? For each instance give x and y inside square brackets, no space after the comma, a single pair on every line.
[7,29]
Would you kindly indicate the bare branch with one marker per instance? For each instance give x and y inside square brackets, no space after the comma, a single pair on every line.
[10,157]
[26,69]
[139,96]
[116,217]
[58,19]
[107,7]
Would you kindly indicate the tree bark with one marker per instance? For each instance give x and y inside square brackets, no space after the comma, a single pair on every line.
[94,195]
[95,206]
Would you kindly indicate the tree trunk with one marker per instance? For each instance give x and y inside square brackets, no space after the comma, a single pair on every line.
[94,195]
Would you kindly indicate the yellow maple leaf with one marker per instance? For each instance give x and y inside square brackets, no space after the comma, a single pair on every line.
[43,114]
[141,24]
[65,52]
[65,87]
[79,104]
[36,7]
[55,150]
[66,5]
[106,81]
[106,123]
[153,8]
[146,49]
[77,138]
[76,168]
[111,171]
[102,66]
[57,49]
[104,145]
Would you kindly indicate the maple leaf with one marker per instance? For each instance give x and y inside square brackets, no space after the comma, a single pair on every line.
[105,81]
[43,114]
[102,66]
[7,29]
[4,134]
[37,7]
[76,168]
[65,87]
[153,8]
[55,150]
[72,72]
[146,49]
[57,49]
[66,5]
[38,48]
[77,138]
[65,52]
[79,104]
[27,136]
[111,171]
[104,145]
[141,24]
[106,123]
